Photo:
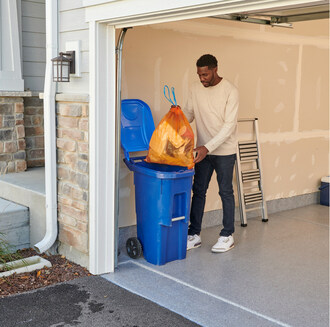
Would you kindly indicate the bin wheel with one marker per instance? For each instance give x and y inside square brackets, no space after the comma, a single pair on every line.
[133,247]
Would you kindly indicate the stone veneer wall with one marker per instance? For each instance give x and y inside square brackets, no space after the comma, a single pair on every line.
[12,134]
[34,132]
[73,180]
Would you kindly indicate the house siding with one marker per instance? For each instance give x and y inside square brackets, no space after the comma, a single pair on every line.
[73,27]
[33,44]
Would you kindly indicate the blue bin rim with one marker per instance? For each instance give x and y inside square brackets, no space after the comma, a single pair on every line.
[156,173]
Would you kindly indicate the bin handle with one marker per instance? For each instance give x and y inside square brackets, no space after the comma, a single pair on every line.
[178,218]
[323,187]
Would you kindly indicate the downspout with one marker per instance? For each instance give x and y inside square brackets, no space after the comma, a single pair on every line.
[119,50]
[50,131]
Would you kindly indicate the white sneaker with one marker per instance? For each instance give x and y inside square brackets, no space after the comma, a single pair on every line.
[224,244]
[194,241]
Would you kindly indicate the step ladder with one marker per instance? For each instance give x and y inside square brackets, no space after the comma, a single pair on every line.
[249,174]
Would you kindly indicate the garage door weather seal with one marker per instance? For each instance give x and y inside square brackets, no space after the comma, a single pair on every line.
[119,50]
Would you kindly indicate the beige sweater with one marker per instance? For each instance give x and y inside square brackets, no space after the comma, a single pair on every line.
[215,109]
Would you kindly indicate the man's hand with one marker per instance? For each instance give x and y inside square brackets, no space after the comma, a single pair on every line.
[201,152]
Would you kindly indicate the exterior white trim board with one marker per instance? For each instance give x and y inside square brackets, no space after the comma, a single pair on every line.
[102,148]
[10,48]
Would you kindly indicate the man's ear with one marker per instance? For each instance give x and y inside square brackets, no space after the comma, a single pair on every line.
[216,69]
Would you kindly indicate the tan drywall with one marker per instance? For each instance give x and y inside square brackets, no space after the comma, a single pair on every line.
[283,79]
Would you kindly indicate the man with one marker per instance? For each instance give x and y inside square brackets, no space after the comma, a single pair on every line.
[213,103]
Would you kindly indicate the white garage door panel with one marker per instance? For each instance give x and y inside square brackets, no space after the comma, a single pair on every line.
[282,15]
[139,12]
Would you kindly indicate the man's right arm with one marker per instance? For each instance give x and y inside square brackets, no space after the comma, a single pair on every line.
[188,109]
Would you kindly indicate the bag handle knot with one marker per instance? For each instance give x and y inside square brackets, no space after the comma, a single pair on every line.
[168,95]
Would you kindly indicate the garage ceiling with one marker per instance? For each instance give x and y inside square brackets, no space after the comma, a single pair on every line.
[282,17]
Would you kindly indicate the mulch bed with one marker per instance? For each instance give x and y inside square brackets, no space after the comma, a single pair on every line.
[62,270]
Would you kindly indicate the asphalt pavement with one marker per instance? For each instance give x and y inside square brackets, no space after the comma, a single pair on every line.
[89,301]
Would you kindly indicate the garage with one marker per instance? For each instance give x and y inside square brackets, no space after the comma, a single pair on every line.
[272,64]
[105,79]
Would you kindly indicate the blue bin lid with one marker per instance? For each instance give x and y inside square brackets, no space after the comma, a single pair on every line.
[137,126]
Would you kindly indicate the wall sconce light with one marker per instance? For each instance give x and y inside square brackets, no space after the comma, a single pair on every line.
[63,66]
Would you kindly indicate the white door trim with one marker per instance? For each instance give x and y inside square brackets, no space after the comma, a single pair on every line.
[102,144]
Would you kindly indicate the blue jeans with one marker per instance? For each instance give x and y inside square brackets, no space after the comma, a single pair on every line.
[224,167]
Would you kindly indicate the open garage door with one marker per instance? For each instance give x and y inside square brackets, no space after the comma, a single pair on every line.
[281,16]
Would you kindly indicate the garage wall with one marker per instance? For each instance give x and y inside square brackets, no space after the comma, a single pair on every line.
[282,76]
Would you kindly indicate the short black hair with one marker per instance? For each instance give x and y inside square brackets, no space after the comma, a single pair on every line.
[207,60]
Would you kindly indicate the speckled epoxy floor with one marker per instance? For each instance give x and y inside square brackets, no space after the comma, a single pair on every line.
[277,275]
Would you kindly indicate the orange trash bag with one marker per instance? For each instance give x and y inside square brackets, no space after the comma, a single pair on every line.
[172,142]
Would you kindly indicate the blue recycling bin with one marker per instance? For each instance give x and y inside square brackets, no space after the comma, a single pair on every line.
[162,192]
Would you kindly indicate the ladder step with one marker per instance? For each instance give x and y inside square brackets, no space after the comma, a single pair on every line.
[248,160]
[247,154]
[249,180]
[254,149]
[254,178]
[253,202]
[251,176]
[247,145]
[251,187]
[247,142]
[244,150]
[247,149]
[248,157]
[252,158]
[252,173]
[252,195]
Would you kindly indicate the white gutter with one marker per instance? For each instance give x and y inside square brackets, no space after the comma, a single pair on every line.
[50,131]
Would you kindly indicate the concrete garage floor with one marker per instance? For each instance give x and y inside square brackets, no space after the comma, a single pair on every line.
[277,275]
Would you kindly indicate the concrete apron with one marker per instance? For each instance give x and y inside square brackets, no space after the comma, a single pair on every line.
[276,275]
